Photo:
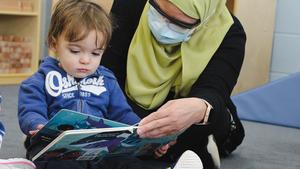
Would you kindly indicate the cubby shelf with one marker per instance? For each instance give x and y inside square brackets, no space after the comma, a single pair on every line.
[18,13]
[19,25]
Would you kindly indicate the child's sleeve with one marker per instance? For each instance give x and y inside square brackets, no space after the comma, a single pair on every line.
[119,110]
[32,106]
[2,132]
[2,128]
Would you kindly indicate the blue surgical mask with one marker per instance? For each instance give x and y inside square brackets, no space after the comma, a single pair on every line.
[164,31]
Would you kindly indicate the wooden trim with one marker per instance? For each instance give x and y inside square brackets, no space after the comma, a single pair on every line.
[15,78]
[258,19]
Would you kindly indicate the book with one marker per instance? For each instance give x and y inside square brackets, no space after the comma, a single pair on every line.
[71,135]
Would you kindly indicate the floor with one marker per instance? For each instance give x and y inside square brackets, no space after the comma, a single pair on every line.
[265,146]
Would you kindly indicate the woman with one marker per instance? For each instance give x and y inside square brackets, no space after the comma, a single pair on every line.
[178,62]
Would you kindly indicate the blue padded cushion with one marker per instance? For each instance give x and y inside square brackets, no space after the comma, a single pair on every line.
[277,102]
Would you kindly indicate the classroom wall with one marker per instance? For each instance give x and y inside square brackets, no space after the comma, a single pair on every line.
[286,44]
[286,41]
[258,22]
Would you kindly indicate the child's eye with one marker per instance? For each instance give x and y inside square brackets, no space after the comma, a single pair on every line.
[74,51]
[97,53]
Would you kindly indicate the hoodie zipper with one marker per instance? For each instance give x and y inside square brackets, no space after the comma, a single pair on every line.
[80,106]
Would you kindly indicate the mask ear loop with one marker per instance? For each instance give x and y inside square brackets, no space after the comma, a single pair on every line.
[193,30]
[206,20]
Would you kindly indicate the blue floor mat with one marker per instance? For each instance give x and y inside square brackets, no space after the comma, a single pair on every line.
[277,102]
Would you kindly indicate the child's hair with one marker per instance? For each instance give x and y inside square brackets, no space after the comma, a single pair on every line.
[76,18]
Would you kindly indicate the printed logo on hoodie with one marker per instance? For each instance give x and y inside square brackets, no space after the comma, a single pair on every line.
[57,85]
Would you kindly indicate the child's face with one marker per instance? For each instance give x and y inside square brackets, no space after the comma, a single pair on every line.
[81,58]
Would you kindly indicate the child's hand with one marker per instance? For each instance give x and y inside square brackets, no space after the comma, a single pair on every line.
[159,152]
[38,128]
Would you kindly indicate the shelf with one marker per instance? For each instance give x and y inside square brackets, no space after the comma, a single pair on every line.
[18,13]
[14,78]
[19,42]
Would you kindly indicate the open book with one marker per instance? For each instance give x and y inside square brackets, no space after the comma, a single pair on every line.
[73,135]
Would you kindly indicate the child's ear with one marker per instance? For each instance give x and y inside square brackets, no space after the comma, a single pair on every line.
[53,44]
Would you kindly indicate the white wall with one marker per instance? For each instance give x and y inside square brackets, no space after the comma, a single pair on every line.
[286,46]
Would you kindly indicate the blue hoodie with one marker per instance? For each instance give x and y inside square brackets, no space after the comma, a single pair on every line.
[50,89]
[2,129]
[2,132]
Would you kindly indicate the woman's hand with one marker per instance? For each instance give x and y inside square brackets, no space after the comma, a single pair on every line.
[174,116]
[159,152]
[38,128]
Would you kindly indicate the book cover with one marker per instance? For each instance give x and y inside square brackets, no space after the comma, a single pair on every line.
[91,138]
[70,120]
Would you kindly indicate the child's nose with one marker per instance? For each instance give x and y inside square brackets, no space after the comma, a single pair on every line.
[84,59]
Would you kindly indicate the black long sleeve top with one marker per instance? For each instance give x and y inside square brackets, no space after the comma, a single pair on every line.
[215,83]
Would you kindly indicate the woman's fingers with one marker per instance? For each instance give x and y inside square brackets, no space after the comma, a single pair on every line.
[162,112]
[153,117]
[173,117]
[155,128]
[169,123]
[159,128]
[162,150]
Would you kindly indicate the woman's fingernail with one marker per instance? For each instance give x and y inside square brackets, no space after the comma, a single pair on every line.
[139,132]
